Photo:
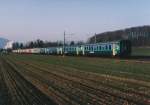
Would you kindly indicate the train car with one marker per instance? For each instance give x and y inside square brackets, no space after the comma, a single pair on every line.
[51,50]
[73,50]
[70,50]
[42,51]
[59,50]
[117,48]
[14,51]
[35,50]
[28,51]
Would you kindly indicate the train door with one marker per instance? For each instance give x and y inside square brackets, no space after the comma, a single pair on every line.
[77,50]
[91,49]
[114,49]
[83,50]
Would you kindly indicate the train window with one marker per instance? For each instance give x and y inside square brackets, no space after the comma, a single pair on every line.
[106,47]
[102,48]
[109,47]
[95,48]
[85,47]
[91,48]
[99,47]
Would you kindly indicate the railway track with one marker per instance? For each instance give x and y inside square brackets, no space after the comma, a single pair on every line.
[75,89]
[5,98]
[20,91]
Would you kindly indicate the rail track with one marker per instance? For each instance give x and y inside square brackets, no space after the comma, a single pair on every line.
[16,90]
[72,89]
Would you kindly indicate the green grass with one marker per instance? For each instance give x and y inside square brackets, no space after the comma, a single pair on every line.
[115,67]
[141,51]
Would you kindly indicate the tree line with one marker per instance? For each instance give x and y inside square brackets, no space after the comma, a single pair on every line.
[139,36]
[42,44]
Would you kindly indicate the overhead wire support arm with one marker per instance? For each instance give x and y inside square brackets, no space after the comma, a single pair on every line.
[64,44]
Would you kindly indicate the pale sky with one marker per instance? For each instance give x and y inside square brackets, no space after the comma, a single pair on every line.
[24,20]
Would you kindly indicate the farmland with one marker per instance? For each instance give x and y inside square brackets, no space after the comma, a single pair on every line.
[141,51]
[51,80]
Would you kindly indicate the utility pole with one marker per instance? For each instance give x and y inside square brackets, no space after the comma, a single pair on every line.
[64,44]
[95,38]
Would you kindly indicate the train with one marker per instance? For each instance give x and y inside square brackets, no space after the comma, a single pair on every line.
[114,48]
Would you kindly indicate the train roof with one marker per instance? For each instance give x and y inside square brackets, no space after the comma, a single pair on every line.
[111,42]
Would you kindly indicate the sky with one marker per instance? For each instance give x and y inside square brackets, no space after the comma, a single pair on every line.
[25,20]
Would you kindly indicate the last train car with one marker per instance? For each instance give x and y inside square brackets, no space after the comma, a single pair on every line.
[116,48]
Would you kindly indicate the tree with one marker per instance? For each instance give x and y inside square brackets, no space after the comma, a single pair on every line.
[139,36]
[72,43]
[80,43]
[21,45]
[15,45]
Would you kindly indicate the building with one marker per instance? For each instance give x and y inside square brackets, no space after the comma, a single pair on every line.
[9,45]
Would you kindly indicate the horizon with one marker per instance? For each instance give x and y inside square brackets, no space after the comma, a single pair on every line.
[28,20]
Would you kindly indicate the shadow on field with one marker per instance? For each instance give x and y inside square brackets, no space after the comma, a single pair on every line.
[139,57]
[133,57]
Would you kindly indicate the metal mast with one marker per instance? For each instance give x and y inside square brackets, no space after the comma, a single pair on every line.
[64,43]
[95,38]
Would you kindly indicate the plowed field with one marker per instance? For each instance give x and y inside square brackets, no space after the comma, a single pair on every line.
[51,80]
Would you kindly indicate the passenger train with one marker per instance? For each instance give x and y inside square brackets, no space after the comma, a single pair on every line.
[115,48]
